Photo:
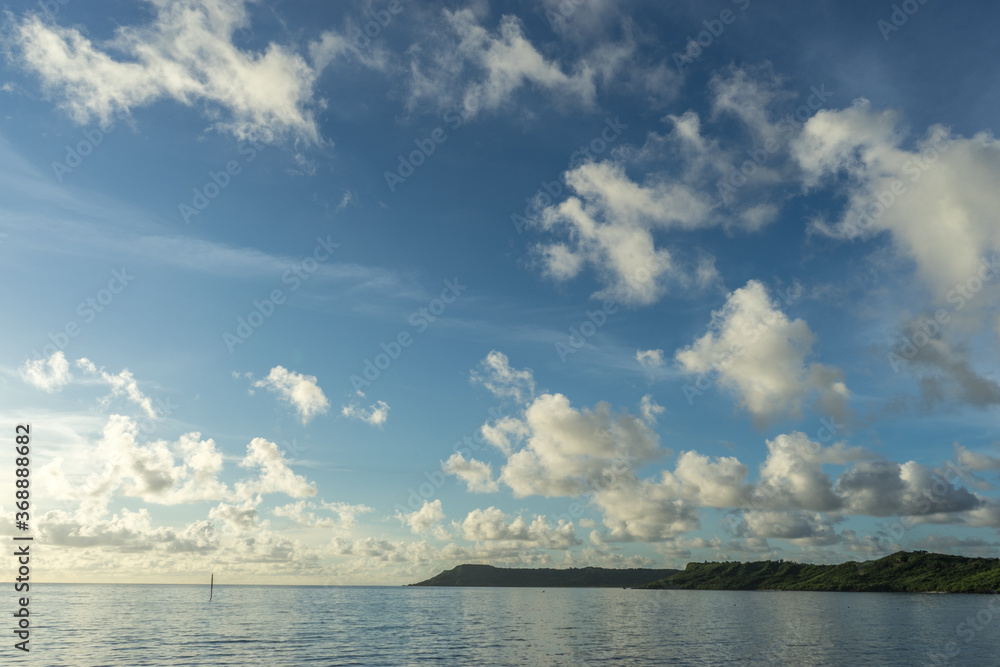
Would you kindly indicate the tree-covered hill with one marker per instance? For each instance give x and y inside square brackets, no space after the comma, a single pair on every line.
[917,571]
[902,572]
[585,577]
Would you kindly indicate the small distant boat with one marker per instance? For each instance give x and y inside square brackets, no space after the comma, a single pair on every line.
[211,587]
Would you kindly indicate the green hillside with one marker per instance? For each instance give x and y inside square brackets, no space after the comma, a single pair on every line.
[585,577]
[913,572]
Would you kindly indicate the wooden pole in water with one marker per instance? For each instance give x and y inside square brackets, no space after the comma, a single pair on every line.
[211,588]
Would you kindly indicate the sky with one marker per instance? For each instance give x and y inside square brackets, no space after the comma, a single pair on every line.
[353,294]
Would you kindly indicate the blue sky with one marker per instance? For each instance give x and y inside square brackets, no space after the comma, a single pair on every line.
[560,283]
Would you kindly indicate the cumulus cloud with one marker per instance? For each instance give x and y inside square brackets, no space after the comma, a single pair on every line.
[567,451]
[186,53]
[495,373]
[801,528]
[298,390]
[305,513]
[375,415]
[274,474]
[936,199]
[682,180]
[886,488]
[708,483]
[187,470]
[169,473]
[644,511]
[477,475]
[241,518]
[157,472]
[127,531]
[610,221]
[505,432]
[492,524]
[792,475]
[554,449]
[368,554]
[49,375]
[425,518]
[756,352]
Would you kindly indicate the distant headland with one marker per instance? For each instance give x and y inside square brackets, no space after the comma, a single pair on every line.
[584,577]
[901,572]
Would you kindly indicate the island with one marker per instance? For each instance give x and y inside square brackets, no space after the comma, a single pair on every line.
[901,572]
[584,577]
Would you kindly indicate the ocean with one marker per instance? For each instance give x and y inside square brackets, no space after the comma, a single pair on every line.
[170,625]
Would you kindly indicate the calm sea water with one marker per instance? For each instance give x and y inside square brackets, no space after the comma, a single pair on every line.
[139,625]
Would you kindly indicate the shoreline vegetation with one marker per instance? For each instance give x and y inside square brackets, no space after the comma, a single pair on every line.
[901,572]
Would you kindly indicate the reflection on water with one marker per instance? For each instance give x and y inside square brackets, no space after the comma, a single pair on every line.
[289,625]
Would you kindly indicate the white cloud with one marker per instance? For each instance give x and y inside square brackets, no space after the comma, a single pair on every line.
[275,476]
[242,518]
[127,530]
[650,409]
[187,54]
[477,475]
[610,220]
[122,384]
[304,513]
[792,476]
[425,518]
[492,524]
[160,472]
[707,483]
[644,511]
[567,452]
[503,433]
[495,373]
[300,391]
[375,415]
[552,449]
[49,375]
[614,222]
[649,359]
[937,199]
[801,528]
[759,354]
[504,62]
